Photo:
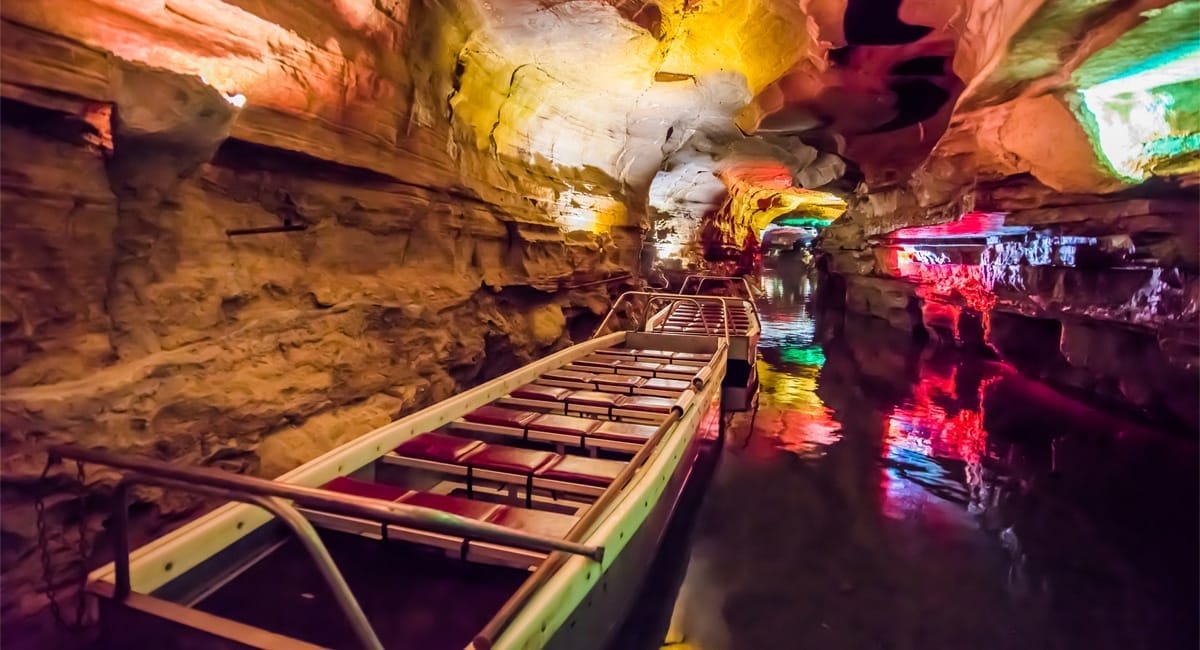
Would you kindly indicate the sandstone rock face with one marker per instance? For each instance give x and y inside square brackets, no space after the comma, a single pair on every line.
[1099,299]
[1049,220]
[139,140]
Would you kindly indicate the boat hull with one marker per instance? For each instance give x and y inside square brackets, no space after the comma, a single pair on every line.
[608,604]
[181,580]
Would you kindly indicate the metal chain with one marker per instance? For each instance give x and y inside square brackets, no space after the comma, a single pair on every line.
[39,506]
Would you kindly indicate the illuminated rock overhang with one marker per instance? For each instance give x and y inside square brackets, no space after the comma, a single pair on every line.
[605,114]
[559,90]
[1141,96]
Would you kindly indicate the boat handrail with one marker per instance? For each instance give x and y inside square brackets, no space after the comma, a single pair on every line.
[496,626]
[674,298]
[708,331]
[701,278]
[281,509]
[324,500]
[749,293]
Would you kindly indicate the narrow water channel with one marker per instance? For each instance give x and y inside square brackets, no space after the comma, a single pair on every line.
[890,496]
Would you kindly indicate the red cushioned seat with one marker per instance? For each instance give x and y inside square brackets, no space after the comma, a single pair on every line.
[594,398]
[625,381]
[360,488]
[537,522]
[539,392]
[658,354]
[676,369]
[502,458]
[639,365]
[648,404]
[595,362]
[616,351]
[452,505]
[571,373]
[581,469]
[658,383]
[624,432]
[564,424]
[501,417]
[439,447]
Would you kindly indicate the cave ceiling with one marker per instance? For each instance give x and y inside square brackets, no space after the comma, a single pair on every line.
[611,112]
[689,103]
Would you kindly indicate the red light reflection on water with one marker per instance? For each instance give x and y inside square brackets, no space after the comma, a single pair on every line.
[924,425]
[935,424]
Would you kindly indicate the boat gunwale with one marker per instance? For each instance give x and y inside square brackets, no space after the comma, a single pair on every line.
[552,604]
[190,545]
[171,556]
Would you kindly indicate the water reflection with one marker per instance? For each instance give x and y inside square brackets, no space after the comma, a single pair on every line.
[790,416]
[886,496]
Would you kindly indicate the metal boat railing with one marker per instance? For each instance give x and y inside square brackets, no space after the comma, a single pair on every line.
[496,626]
[673,299]
[281,509]
[270,496]
[700,279]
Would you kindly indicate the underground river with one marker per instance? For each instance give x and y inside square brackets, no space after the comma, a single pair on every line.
[891,496]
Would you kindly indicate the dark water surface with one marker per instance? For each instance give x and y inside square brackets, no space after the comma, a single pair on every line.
[888,496]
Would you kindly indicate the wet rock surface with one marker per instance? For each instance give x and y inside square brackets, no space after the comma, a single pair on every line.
[1099,298]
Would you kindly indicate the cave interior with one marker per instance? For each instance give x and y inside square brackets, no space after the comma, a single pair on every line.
[239,233]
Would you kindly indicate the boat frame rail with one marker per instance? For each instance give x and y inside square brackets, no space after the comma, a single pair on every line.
[273,496]
[700,279]
[655,298]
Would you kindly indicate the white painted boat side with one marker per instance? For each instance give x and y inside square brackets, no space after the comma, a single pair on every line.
[167,557]
[551,606]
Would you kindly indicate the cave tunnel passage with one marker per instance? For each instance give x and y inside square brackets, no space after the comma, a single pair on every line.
[246,235]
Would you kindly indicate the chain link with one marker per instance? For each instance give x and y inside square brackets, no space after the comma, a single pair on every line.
[48,572]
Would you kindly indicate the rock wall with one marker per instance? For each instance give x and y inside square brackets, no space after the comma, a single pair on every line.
[138,140]
[1101,299]
[1053,222]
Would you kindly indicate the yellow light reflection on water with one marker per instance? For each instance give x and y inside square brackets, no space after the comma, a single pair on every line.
[791,417]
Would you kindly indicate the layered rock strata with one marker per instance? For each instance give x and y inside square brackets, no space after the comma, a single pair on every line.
[1099,298]
[238,237]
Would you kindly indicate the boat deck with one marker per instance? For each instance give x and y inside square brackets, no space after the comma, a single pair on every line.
[438,529]
[708,319]
[533,459]
[413,598]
